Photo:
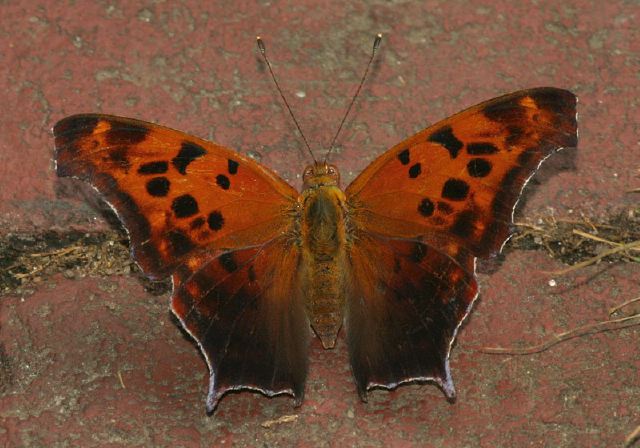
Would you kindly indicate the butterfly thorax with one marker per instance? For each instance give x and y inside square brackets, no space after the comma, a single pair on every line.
[324,251]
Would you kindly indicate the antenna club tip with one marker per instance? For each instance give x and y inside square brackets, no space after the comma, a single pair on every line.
[260,44]
[376,42]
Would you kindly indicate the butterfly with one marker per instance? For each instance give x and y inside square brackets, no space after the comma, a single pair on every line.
[255,263]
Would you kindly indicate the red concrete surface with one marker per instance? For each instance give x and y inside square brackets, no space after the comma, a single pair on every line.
[193,66]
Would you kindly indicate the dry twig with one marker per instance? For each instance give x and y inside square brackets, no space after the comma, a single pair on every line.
[279,421]
[597,258]
[632,438]
[617,308]
[599,327]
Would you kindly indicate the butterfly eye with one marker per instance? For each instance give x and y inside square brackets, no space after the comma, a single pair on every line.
[331,171]
[307,173]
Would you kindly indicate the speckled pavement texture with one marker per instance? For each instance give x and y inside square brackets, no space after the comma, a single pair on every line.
[100,362]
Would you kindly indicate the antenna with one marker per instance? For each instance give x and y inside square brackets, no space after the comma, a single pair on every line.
[263,52]
[376,44]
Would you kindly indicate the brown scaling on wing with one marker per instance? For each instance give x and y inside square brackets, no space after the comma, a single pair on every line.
[222,224]
[419,216]
[175,193]
[406,302]
[245,309]
[455,184]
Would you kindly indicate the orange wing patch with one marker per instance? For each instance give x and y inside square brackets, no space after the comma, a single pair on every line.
[457,182]
[174,193]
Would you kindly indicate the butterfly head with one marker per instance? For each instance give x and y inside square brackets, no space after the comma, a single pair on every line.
[320,174]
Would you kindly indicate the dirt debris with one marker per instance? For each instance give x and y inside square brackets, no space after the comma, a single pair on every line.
[27,259]
[572,240]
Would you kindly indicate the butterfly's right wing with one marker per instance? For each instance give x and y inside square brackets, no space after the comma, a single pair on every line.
[420,215]
[405,303]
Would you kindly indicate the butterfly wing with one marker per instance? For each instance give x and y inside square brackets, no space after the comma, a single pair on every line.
[173,192]
[459,180]
[220,223]
[406,301]
[452,189]
[245,309]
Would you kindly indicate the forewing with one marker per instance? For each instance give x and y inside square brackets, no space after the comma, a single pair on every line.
[176,194]
[244,308]
[456,183]
[404,306]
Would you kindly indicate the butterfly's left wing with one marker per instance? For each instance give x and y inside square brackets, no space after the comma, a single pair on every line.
[244,307]
[420,215]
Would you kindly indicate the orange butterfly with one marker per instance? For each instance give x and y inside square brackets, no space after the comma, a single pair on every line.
[254,262]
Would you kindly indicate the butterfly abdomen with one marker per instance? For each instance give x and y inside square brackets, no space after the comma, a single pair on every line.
[323,248]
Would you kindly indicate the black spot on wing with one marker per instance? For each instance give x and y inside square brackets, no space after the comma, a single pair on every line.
[479,167]
[184,206]
[464,225]
[479,149]
[561,102]
[529,158]
[125,133]
[425,208]
[455,190]
[445,208]
[227,262]
[118,156]
[197,223]
[159,167]
[515,134]
[232,166]
[223,181]
[215,220]
[506,110]
[71,129]
[251,273]
[415,170]
[179,243]
[188,153]
[403,156]
[158,186]
[445,137]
